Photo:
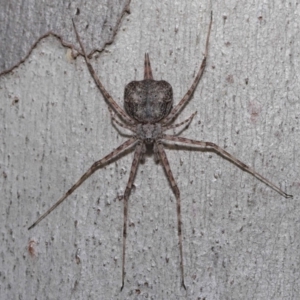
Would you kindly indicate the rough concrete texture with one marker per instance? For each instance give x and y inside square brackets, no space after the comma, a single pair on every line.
[241,239]
[24,22]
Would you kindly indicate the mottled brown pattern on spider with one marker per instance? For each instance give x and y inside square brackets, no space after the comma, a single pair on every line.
[148,114]
[148,101]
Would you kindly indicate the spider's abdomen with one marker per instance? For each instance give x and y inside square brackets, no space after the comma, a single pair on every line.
[148,101]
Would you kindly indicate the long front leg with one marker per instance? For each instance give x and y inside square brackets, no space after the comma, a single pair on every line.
[135,163]
[97,165]
[174,112]
[105,93]
[166,165]
[222,152]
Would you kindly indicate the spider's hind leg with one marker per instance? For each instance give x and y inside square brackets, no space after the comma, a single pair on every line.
[134,166]
[174,186]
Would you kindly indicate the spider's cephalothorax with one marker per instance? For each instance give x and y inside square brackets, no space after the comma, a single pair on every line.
[148,101]
[148,104]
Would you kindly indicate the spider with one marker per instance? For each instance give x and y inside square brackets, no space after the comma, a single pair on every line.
[148,114]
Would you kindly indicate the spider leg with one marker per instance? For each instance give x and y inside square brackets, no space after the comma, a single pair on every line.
[166,165]
[96,165]
[135,163]
[147,68]
[222,152]
[174,112]
[116,121]
[186,121]
[106,95]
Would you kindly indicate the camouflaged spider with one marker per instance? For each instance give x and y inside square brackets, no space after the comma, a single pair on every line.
[148,113]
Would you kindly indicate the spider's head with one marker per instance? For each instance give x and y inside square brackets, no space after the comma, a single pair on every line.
[148,101]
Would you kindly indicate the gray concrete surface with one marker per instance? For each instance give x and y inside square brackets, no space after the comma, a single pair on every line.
[241,239]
